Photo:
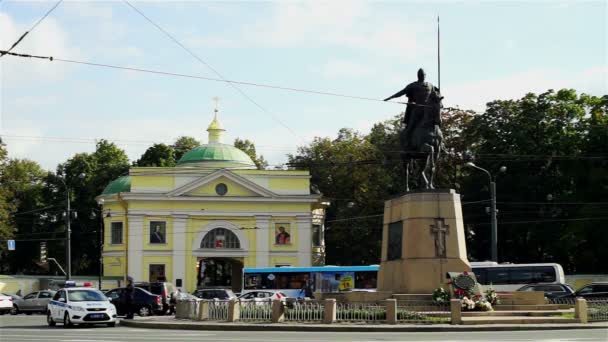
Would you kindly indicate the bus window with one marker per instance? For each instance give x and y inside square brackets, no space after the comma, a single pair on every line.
[480,274]
[521,275]
[366,280]
[497,276]
[545,274]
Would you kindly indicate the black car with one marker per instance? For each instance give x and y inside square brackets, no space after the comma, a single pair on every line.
[550,290]
[593,290]
[144,302]
[165,290]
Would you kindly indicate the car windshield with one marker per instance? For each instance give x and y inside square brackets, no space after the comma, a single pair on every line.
[86,296]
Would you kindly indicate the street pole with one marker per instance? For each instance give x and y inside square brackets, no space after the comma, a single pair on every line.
[494,233]
[68,236]
[101,250]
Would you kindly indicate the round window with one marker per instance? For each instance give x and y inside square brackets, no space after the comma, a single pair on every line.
[221,189]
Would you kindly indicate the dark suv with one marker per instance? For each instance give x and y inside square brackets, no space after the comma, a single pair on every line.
[165,290]
[593,290]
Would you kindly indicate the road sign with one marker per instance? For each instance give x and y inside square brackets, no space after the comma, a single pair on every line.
[43,252]
[11,245]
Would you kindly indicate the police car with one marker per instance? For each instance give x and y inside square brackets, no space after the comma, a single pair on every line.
[80,305]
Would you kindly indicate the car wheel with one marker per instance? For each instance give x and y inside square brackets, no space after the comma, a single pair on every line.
[66,321]
[144,311]
[49,320]
[111,325]
[15,310]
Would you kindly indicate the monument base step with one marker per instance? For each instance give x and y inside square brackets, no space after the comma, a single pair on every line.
[516,320]
[504,313]
[420,297]
[527,307]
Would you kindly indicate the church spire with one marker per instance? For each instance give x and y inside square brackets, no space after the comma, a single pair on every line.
[215,129]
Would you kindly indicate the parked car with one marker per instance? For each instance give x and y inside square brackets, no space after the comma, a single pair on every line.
[33,302]
[262,295]
[593,290]
[6,303]
[80,305]
[550,290]
[221,294]
[144,302]
[165,290]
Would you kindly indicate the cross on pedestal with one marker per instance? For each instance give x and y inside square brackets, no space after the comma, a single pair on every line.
[440,230]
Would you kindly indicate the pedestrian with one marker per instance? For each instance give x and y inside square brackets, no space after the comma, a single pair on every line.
[129,296]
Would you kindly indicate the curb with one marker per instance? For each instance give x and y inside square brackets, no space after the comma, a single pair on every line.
[351,328]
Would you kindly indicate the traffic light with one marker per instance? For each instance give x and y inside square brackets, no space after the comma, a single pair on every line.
[43,252]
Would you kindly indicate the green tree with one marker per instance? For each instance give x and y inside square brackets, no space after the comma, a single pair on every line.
[248,147]
[184,144]
[7,208]
[159,155]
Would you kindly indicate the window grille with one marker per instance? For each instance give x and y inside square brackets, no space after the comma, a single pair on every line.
[220,238]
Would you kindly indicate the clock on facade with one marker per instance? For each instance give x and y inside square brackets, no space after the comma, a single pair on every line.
[221,189]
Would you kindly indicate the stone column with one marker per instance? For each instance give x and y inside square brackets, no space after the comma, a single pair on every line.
[203,310]
[304,226]
[234,311]
[262,241]
[329,310]
[455,311]
[179,249]
[278,312]
[391,311]
[135,247]
[580,310]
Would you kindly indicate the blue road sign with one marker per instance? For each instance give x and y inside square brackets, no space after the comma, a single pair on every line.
[11,245]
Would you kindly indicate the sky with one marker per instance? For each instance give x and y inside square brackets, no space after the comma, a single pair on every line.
[489,50]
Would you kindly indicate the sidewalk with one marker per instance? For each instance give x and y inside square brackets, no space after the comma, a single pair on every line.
[169,322]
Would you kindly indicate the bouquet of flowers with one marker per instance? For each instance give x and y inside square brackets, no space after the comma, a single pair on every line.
[440,295]
[483,305]
[467,303]
[492,297]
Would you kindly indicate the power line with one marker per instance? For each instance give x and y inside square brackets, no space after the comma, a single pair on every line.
[2,53]
[212,69]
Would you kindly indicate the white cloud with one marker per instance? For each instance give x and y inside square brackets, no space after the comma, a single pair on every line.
[337,68]
[49,39]
[475,95]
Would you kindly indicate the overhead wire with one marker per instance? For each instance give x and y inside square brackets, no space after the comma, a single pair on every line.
[2,53]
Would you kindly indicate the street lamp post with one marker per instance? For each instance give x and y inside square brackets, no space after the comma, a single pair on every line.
[68,231]
[68,234]
[493,211]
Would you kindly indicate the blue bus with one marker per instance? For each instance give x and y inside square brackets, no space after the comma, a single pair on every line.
[293,280]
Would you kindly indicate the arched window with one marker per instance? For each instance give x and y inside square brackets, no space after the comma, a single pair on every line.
[220,238]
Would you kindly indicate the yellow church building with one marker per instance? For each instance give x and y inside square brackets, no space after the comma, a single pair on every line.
[199,223]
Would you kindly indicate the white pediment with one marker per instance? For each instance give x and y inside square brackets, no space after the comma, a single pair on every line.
[238,184]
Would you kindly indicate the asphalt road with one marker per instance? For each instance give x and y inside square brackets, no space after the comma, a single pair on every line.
[34,328]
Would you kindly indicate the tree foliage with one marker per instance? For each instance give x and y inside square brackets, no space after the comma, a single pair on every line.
[248,147]
[554,146]
[184,144]
[159,155]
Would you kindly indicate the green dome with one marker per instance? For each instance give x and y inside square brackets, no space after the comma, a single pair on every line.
[216,152]
[120,184]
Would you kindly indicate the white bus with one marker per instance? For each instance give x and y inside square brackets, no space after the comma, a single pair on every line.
[510,277]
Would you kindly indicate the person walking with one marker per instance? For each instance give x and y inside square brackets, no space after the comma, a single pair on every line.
[129,297]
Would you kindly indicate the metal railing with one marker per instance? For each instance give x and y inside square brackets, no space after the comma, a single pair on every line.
[255,310]
[562,301]
[360,312]
[597,309]
[423,312]
[218,310]
[304,311]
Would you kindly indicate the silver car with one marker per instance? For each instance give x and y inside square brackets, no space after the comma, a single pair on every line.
[33,302]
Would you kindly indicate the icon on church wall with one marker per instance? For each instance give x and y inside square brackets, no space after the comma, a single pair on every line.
[282,234]
[220,241]
[158,232]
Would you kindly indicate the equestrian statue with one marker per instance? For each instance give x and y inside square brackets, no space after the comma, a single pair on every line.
[421,137]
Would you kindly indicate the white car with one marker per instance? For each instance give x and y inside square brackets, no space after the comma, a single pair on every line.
[6,303]
[262,296]
[80,305]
